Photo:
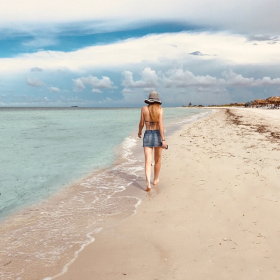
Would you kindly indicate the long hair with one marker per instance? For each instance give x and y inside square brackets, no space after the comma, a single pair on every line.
[154,110]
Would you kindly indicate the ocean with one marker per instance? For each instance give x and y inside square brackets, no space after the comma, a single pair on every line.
[66,174]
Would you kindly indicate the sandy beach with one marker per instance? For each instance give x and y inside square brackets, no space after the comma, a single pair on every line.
[214,214]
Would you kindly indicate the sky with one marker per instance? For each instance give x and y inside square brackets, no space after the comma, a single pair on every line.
[112,53]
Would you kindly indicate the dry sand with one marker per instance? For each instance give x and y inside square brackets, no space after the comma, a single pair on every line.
[214,215]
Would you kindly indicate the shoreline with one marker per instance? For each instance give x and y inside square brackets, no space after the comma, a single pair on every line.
[41,215]
[63,182]
[38,222]
[215,218]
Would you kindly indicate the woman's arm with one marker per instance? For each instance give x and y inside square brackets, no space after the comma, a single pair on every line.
[161,129]
[141,123]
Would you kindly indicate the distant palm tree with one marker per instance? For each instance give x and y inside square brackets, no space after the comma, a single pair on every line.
[190,104]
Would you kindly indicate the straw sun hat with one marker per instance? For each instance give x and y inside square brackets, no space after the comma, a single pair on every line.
[153,98]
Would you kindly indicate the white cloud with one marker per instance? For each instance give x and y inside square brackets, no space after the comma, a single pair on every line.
[254,16]
[36,69]
[148,89]
[203,83]
[267,38]
[181,78]
[154,49]
[34,82]
[126,90]
[267,81]
[40,42]
[234,79]
[78,84]
[95,90]
[105,82]
[149,79]
[97,84]
[54,89]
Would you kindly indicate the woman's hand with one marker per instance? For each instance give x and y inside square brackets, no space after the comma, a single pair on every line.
[164,145]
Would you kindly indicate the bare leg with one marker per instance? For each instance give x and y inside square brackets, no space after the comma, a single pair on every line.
[148,151]
[158,151]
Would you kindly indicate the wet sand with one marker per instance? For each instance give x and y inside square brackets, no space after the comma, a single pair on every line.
[214,215]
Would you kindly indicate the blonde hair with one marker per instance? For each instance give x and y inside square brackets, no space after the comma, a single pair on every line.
[154,110]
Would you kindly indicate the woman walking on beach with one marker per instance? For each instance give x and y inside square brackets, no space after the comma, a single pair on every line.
[153,140]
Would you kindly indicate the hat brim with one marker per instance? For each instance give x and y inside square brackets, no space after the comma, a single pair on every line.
[152,101]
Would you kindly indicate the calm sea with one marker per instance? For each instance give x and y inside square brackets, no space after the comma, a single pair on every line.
[62,171]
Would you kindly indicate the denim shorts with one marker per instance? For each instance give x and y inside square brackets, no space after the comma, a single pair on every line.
[152,138]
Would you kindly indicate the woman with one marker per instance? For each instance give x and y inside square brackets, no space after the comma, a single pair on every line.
[153,139]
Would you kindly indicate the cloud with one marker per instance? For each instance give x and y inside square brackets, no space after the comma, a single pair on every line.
[40,42]
[149,79]
[94,82]
[263,38]
[233,79]
[236,80]
[54,89]
[78,84]
[126,90]
[149,50]
[255,16]
[272,43]
[95,90]
[181,78]
[267,81]
[103,83]
[34,82]
[197,53]
[36,69]
[204,89]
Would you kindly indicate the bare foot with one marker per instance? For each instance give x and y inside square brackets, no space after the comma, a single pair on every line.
[148,189]
[156,181]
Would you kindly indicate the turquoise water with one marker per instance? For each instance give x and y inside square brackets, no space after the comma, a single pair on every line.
[44,149]
[81,159]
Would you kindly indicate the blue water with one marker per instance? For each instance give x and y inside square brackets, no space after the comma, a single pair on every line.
[44,149]
[87,162]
